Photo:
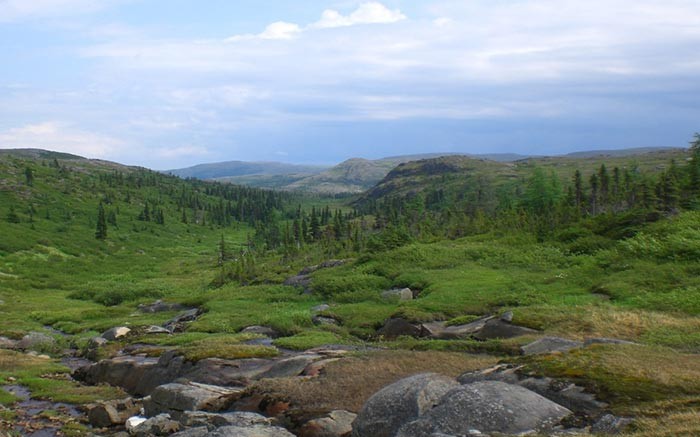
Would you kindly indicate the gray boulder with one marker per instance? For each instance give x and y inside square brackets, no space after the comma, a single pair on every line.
[440,330]
[217,420]
[398,327]
[159,306]
[161,425]
[156,330]
[115,333]
[253,431]
[609,424]
[487,407]
[174,398]
[7,343]
[498,329]
[548,345]
[507,317]
[288,367]
[178,323]
[337,423]
[112,413]
[323,320]
[404,401]
[36,341]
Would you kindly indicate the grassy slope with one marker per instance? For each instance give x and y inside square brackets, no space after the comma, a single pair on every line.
[644,289]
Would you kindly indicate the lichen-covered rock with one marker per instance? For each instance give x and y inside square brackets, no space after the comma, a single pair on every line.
[175,399]
[488,407]
[115,333]
[399,403]
[161,425]
[337,423]
[398,327]
[217,420]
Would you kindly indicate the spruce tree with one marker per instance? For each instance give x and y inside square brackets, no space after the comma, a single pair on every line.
[101,229]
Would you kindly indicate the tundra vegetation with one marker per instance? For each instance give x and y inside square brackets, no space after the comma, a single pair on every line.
[600,246]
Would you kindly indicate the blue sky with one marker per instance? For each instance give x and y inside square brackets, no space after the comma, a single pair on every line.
[173,83]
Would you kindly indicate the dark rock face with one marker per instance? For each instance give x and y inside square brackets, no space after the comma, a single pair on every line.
[398,327]
[399,403]
[179,322]
[547,345]
[488,407]
[498,329]
[293,366]
[115,333]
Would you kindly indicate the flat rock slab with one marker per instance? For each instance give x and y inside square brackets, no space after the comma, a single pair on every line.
[254,431]
[401,402]
[176,398]
[217,420]
[548,345]
[498,329]
[440,330]
[488,407]
[603,340]
[289,367]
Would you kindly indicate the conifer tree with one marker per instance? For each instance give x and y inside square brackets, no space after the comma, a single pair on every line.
[101,229]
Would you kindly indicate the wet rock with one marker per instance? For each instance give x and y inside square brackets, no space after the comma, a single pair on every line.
[161,425]
[216,420]
[130,373]
[399,403]
[498,329]
[603,340]
[159,306]
[288,367]
[609,424]
[115,333]
[398,327]
[337,423]
[398,294]
[36,341]
[112,413]
[174,398]
[261,330]
[323,320]
[178,323]
[488,407]
[547,345]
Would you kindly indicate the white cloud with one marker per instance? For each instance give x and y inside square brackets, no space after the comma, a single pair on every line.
[281,30]
[62,137]
[181,152]
[366,13]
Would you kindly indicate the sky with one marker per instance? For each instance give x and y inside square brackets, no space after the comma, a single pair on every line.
[173,83]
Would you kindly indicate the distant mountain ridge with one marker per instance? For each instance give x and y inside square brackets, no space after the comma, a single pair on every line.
[243,168]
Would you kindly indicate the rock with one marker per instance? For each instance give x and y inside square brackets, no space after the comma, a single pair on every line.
[317,367]
[337,423]
[253,431]
[201,431]
[261,330]
[487,407]
[159,306]
[112,413]
[299,281]
[97,342]
[134,421]
[562,392]
[399,294]
[507,317]
[322,320]
[177,323]
[498,329]
[547,345]
[130,373]
[609,424]
[440,330]
[216,420]
[399,403]
[6,343]
[293,366]
[156,330]
[115,333]
[603,340]
[36,341]
[324,265]
[175,398]
[161,425]
[320,308]
[398,327]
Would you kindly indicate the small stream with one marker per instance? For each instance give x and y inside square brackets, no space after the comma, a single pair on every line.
[30,421]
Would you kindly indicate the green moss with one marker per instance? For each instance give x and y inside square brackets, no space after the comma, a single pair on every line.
[310,339]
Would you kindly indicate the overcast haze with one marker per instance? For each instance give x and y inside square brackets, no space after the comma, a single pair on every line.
[172,83]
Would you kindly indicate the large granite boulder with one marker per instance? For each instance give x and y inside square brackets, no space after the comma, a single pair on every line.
[487,407]
[399,403]
[174,398]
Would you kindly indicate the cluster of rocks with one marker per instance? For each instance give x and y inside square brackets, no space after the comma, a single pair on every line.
[484,328]
[495,402]
[32,342]
[302,280]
